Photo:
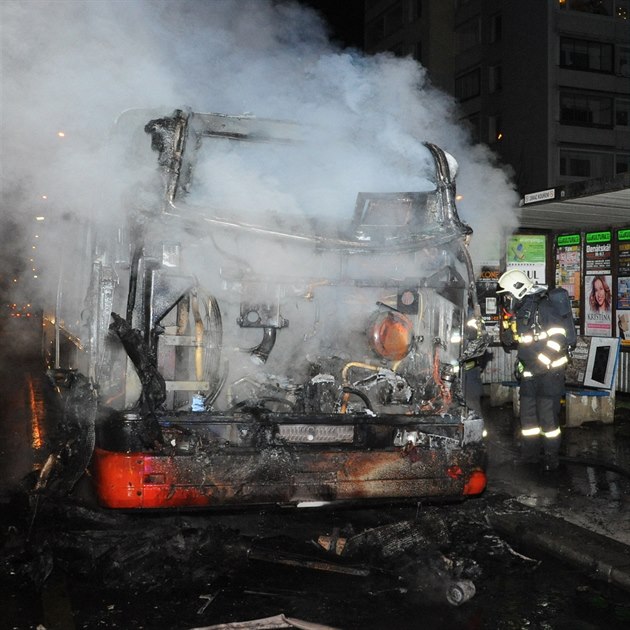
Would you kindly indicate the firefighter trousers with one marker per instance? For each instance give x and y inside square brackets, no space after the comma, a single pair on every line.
[540,401]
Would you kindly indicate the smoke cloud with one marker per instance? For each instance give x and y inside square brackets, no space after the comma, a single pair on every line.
[69,69]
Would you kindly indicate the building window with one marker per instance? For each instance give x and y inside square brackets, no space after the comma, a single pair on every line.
[416,51]
[397,49]
[585,164]
[622,9]
[622,163]
[580,54]
[598,7]
[495,79]
[495,129]
[623,61]
[496,28]
[375,31]
[474,125]
[415,9]
[468,35]
[384,25]
[585,109]
[394,19]
[622,113]
[468,85]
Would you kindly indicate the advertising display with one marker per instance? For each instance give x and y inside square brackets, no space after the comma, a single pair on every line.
[598,305]
[623,310]
[569,269]
[623,326]
[594,363]
[576,369]
[623,252]
[598,252]
[623,287]
[527,252]
[487,275]
[487,285]
[598,284]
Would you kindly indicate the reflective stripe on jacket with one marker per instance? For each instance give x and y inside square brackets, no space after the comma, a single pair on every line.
[541,336]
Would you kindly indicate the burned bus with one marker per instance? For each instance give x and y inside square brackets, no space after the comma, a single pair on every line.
[224,360]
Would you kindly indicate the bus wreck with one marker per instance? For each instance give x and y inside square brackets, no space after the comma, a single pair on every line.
[299,363]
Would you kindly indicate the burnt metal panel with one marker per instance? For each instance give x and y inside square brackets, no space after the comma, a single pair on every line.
[281,475]
[500,367]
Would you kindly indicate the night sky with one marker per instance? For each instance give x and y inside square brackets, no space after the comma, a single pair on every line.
[345,18]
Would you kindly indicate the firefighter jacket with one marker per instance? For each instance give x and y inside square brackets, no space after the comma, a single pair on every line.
[539,332]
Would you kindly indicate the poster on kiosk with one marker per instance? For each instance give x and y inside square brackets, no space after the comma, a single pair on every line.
[598,284]
[527,252]
[569,270]
[623,286]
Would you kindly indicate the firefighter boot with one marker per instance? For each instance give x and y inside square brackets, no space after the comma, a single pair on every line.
[551,451]
[530,449]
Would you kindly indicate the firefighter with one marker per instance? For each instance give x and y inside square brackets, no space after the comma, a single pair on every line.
[536,326]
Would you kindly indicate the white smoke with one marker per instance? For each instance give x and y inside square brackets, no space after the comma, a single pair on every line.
[73,67]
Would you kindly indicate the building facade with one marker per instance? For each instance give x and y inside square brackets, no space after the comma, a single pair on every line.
[545,83]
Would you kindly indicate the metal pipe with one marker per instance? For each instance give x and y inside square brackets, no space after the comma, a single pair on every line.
[193,217]
[133,284]
[261,352]
[58,316]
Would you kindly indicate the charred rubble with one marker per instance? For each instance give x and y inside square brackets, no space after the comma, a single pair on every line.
[434,556]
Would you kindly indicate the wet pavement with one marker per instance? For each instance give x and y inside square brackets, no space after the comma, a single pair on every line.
[191,571]
[596,497]
[542,551]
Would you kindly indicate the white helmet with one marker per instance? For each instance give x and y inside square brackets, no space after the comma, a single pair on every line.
[514,281]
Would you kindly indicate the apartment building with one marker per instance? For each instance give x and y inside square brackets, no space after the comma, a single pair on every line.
[545,83]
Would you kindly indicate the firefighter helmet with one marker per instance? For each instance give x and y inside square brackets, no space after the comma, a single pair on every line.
[515,282]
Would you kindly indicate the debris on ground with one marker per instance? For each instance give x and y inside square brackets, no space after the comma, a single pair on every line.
[269,623]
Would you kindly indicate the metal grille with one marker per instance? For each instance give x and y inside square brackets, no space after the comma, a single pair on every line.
[500,367]
[623,372]
[316,434]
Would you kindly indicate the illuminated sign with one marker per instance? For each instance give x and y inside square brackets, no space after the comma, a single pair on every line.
[623,235]
[598,237]
[572,239]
